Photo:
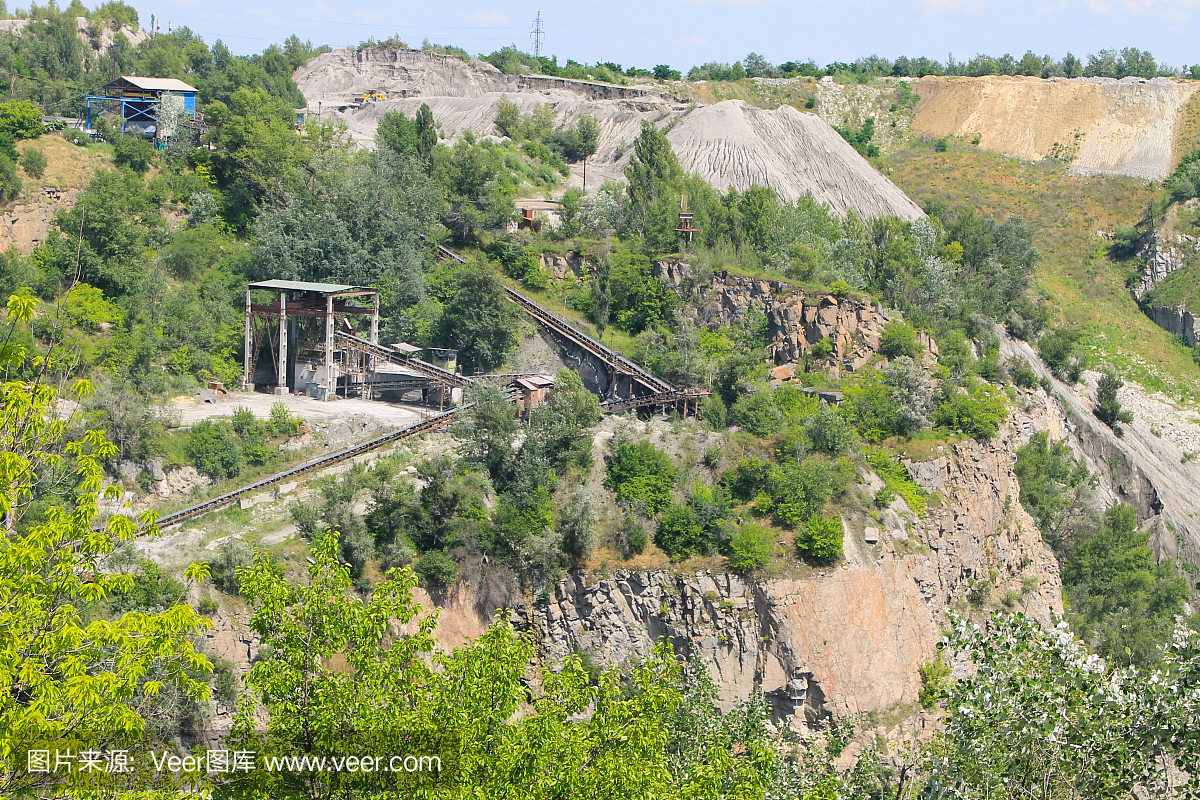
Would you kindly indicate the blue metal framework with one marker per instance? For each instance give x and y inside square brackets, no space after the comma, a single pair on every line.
[128,109]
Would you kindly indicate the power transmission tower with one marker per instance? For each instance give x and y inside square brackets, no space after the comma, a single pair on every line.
[536,35]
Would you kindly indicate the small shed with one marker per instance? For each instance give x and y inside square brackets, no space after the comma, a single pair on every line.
[534,211]
[446,359]
[533,389]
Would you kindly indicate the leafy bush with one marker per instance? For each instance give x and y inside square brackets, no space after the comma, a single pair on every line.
[641,471]
[899,339]
[211,449]
[208,605]
[933,682]
[896,478]
[1061,351]
[1022,375]
[713,412]
[631,537]
[750,547]
[435,568]
[281,421]
[829,431]
[979,412]
[76,137]
[680,535]
[33,161]
[820,539]
[133,152]
[232,555]
[757,413]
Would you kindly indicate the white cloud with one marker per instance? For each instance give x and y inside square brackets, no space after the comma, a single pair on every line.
[369,16]
[690,41]
[321,7]
[486,17]
[728,2]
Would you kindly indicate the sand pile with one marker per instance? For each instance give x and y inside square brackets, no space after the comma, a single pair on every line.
[730,144]
[1101,125]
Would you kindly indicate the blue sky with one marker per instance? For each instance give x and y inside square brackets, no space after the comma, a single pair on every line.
[686,32]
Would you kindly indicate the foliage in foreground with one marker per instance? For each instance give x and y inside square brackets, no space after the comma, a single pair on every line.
[1045,719]
[69,676]
[401,695]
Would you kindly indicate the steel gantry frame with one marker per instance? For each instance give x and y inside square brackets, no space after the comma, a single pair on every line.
[308,305]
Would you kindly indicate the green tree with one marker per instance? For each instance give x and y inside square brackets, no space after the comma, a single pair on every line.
[1119,598]
[1040,717]
[485,428]
[20,119]
[68,674]
[1108,407]
[652,173]
[1054,488]
[508,118]
[478,320]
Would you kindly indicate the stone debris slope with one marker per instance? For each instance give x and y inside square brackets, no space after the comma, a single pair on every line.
[731,144]
[1101,125]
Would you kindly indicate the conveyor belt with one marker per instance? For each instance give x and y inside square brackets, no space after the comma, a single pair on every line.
[616,361]
[407,362]
[433,423]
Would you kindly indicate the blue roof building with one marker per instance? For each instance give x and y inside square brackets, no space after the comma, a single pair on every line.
[154,107]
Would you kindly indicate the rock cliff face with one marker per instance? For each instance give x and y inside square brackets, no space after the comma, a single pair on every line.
[26,225]
[796,321]
[847,640]
[1178,321]
[1163,258]
[1149,472]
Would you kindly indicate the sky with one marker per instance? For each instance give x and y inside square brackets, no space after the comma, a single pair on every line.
[682,33]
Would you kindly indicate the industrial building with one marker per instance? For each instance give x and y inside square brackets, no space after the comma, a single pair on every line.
[154,108]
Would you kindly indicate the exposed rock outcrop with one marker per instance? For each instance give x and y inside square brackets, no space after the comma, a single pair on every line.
[1177,321]
[26,225]
[847,640]
[796,320]
[1160,260]
[1151,473]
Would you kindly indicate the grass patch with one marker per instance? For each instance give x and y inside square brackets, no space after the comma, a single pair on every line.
[1065,212]
[894,474]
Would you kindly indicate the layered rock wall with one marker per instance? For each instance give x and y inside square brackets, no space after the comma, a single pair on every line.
[796,321]
[847,640]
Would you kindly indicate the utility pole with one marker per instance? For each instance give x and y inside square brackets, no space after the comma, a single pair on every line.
[536,35]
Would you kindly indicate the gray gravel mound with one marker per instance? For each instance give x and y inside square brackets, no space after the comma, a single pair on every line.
[730,144]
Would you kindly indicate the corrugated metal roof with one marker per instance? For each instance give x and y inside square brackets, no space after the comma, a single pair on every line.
[156,84]
[404,347]
[305,286]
